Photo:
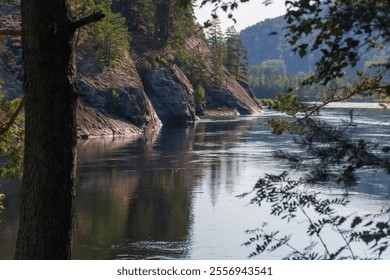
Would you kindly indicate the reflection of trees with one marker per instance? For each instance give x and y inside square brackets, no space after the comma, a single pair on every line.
[160,209]
[223,169]
[133,191]
[133,199]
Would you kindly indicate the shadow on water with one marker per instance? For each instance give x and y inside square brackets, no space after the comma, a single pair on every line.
[172,194]
[132,200]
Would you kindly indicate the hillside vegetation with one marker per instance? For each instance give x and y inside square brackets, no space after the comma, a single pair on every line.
[275,68]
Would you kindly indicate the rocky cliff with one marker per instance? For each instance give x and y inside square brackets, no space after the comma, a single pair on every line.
[125,99]
[169,90]
[232,97]
[113,101]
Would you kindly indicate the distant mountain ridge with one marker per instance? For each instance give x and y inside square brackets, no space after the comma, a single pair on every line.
[262,46]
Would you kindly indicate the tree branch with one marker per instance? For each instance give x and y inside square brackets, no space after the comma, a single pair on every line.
[10,32]
[13,117]
[87,20]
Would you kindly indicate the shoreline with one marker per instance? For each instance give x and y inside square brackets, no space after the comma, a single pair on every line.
[355,105]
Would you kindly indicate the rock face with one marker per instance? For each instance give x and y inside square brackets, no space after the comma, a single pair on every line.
[231,97]
[116,92]
[113,100]
[93,123]
[171,94]
[124,100]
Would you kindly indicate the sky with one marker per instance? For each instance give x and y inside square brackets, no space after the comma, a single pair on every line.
[246,15]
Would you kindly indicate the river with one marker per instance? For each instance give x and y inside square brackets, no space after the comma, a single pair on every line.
[173,194]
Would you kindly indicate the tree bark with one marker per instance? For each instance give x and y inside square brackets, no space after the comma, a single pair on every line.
[50,95]
[10,32]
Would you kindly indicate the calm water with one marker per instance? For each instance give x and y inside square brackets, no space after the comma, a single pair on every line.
[173,195]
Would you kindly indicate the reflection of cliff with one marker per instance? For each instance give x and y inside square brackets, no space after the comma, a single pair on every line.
[133,191]
[159,213]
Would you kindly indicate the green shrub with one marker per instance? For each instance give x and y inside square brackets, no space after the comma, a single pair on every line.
[200,96]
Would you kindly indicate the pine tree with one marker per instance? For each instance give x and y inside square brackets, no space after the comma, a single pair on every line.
[110,35]
[182,26]
[80,9]
[139,14]
[215,41]
[236,61]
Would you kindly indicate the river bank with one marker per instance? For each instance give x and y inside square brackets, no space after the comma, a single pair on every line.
[356,105]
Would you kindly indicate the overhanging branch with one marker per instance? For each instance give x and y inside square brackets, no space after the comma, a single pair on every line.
[12,120]
[87,20]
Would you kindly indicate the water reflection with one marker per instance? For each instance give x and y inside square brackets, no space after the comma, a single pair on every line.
[9,218]
[172,194]
[136,203]
[135,198]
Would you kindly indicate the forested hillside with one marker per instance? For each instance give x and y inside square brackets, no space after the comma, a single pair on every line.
[144,61]
[274,67]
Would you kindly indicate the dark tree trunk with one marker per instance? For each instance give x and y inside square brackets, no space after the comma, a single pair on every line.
[48,185]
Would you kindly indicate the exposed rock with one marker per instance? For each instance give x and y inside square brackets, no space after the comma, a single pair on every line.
[170,92]
[92,123]
[114,101]
[116,91]
[248,89]
[232,97]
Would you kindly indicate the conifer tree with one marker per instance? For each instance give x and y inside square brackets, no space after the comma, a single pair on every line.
[215,41]
[182,25]
[139,14]
[236,59]
[110,35]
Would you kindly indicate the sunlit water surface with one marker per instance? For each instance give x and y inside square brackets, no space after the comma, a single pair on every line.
[173,195]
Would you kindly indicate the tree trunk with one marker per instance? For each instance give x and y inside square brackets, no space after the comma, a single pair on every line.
[48,184]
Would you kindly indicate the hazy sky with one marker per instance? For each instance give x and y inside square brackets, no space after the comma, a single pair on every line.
[246,15]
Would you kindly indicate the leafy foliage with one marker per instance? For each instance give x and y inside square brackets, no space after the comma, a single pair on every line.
[200,96]
[109,37]
[332,154]
[288,201]
[226,6]
[341,28]
[11,137]
[183,25]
